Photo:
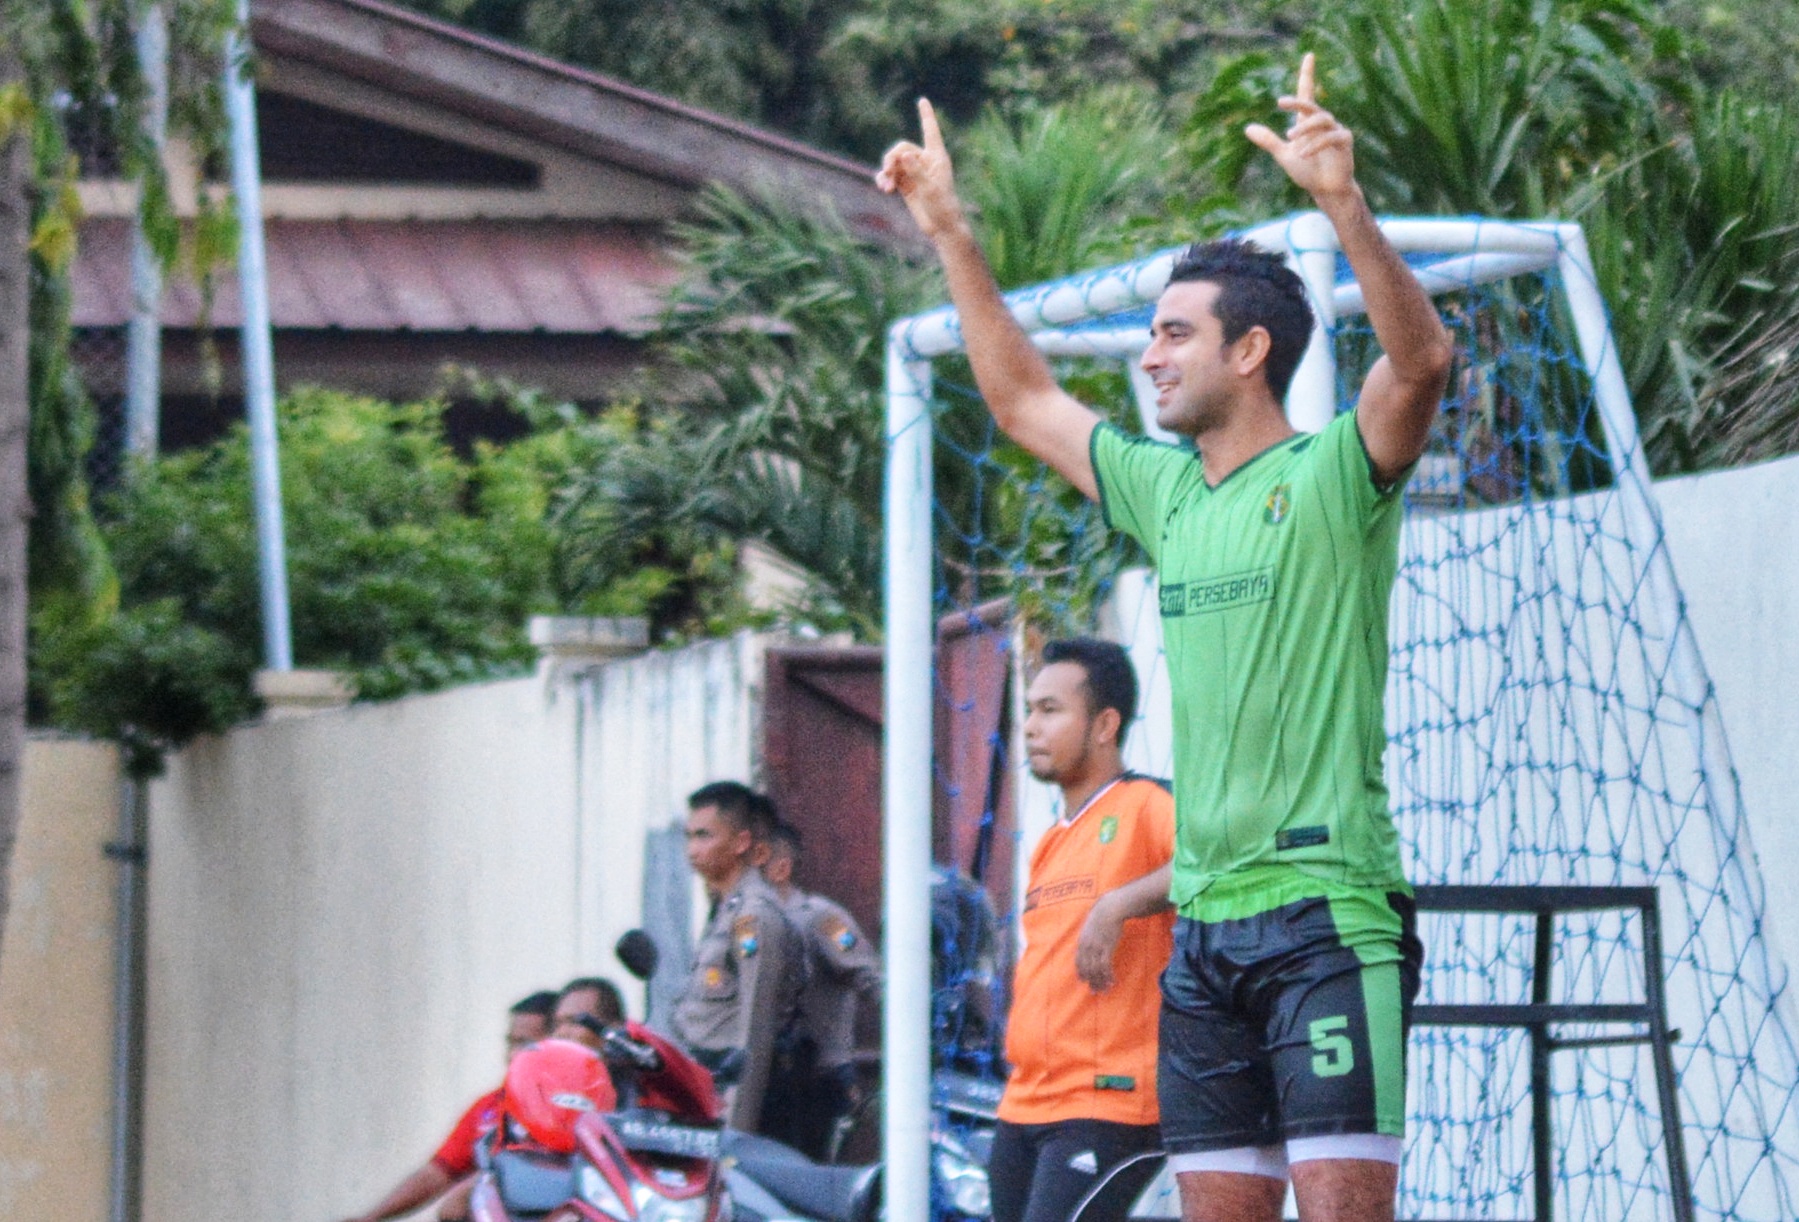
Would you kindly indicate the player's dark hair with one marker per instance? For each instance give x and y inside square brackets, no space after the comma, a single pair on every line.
[541,1003]
[612,1005]
[1255,289]
[1111,680]
[735,802]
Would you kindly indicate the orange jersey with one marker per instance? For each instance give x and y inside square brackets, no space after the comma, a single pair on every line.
[1077,1054]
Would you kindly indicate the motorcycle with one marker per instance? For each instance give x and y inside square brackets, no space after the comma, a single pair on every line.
[632,1134]
[771,1182]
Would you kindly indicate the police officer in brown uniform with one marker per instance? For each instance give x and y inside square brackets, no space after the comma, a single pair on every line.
[742,995]
[844,968]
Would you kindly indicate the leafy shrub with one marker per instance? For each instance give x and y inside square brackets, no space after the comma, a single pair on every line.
[410,567]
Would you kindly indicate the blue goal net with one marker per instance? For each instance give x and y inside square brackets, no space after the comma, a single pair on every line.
[1550,724]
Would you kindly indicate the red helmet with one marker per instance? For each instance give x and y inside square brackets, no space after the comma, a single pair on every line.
[548,1087]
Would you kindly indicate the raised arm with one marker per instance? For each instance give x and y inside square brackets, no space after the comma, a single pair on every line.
[1013,377]
[1402,392]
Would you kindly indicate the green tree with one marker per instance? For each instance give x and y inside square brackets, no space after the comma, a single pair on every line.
[778,338]
[66,59]
[1054,188]
[15,412]
[1584,109]
[1697,248]
[410,567]
[967,55]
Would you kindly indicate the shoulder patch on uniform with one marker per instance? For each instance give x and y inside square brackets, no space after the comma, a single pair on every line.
[838,931]
[1108,829]
[744,935]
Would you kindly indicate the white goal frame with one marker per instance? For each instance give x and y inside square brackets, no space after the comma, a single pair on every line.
[1470,251]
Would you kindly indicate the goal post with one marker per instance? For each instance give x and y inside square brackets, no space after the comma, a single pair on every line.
[1550,717]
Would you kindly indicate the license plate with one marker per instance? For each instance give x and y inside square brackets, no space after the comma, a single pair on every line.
[659,1136]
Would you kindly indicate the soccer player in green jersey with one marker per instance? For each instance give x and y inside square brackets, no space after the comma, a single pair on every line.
[1283,1011]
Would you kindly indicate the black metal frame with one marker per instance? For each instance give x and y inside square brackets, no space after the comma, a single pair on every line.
[1540,1014]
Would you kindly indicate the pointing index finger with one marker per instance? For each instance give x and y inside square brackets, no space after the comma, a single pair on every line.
[1308,75]
[927,121]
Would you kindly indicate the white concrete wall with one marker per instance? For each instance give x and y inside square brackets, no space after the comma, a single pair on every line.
[56,988]
[343,906]
[1734,537]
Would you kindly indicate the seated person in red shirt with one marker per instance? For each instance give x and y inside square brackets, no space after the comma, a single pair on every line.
[586,1006]
[527,1022]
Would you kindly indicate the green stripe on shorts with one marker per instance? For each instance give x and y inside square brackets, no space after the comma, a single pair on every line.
[1368,925]
[1386,1044]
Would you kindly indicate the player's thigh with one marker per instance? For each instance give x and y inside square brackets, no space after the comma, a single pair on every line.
[1228,1196]
[1345,1190]
[1213,1078]
[1072,1157]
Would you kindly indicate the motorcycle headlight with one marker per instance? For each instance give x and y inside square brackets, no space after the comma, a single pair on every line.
[646,1204]
[598,1192]
[963,1183]
[652,1207]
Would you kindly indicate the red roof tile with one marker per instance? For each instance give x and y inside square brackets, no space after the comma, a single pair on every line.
[559,277]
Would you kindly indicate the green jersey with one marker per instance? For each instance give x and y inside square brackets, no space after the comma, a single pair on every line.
[1274,591]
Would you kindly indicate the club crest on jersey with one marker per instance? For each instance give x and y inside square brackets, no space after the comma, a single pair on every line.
[1108,829]
[1279,505]
[743,933]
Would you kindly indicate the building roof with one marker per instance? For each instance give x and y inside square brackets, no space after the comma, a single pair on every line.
[548,277]
[584,111]
[523,273]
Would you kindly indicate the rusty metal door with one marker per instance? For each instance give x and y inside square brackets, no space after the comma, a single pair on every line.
[822,749]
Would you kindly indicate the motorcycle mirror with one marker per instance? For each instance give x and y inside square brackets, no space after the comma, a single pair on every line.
[637,951]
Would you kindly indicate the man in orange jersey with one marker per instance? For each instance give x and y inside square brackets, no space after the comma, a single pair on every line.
[1081,1037]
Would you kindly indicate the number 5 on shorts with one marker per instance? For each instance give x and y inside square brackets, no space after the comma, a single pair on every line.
[1335,1055]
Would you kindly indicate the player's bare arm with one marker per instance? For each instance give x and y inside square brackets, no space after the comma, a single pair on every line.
[1013,377]
[1141,897]
[1403,390]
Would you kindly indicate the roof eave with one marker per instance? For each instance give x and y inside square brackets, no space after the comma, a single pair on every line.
[569,107]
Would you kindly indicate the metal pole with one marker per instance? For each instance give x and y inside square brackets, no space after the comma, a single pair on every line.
[906,785]
[258,345]
[1312,253]
[127,1025]
[143,336]
[1542,1115]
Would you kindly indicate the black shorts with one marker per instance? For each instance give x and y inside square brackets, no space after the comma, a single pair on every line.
[1288,1023]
